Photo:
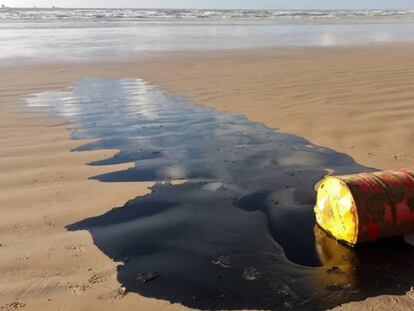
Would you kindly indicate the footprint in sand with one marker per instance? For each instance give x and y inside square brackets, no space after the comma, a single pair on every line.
[76,250]
[114,295]
[78,289]
[97,278]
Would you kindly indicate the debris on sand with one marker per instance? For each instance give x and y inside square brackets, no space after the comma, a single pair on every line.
[223,260]
[335,270]
[148,276]
[122,291]
[13,306]
[250,274]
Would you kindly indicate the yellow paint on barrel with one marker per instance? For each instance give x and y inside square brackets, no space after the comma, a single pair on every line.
[335,210]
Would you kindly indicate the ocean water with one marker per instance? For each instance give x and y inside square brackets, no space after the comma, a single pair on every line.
[84,34]
[239,231]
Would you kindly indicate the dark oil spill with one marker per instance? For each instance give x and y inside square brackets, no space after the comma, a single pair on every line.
[239,232]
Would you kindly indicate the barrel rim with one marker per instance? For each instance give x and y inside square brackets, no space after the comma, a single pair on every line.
[355,210]
[356,230]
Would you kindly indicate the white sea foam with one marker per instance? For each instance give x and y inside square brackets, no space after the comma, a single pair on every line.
[7,14]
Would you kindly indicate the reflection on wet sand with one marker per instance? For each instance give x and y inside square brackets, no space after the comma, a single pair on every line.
[100,39]
[240,231]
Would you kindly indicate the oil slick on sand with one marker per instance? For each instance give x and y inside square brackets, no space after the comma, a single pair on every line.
[239,231]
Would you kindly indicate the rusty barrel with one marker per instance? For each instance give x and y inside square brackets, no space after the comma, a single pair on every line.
[366,207]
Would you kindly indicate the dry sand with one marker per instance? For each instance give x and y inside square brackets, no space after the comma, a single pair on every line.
[356,100]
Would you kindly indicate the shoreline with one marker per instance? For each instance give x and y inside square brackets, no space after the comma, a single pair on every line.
[171,56]
[245,77]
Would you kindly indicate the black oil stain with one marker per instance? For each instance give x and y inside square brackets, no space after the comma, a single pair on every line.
[239,233]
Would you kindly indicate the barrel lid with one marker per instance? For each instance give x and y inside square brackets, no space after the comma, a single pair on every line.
[335,210]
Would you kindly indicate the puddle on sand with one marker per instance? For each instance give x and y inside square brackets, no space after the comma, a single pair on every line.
[240,231]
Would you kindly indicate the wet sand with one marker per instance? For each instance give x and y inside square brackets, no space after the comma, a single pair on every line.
[282,85]
[350,99]
[44,187]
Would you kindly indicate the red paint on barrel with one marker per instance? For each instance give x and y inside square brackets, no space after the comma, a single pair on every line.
[373,232]
[403,212]
[388,217]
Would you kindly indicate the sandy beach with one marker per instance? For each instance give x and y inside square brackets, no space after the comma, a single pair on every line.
[354,100]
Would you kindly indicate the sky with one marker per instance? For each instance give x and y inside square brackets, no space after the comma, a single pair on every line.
[219,4]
